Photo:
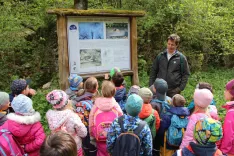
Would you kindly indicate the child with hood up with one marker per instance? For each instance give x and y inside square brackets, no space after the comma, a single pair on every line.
[63,118]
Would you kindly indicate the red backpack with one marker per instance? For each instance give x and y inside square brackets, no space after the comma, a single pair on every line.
[9,146]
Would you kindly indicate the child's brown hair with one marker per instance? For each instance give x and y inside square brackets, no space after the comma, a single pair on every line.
[59,144]
[91,85]
[178,100]
[205,85]
[108,89]
[117,79]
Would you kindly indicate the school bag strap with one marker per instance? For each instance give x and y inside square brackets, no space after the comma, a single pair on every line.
[181,60]
[137,131]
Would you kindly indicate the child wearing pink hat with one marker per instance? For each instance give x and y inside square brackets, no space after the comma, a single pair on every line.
[202,99]
[227,145]
[63,118]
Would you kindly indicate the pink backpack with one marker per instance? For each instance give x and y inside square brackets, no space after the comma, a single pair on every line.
[102,122]
[9,146]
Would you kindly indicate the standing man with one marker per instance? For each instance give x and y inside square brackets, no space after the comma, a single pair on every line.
[172,66]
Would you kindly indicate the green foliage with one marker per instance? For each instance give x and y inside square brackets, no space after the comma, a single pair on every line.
[195,61]
[28,41]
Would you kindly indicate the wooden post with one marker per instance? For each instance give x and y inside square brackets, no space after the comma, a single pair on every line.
[133,40]
[62,51]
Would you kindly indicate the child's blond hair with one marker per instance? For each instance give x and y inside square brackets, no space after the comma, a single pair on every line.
[108,89]
[91,85]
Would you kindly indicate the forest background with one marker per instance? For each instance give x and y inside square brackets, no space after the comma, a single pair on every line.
[28,41]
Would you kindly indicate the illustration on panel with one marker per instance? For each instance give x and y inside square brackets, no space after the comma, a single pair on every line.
[90,30]
[116,30]
[90,58]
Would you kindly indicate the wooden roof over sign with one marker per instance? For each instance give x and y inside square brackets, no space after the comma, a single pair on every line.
[95,12]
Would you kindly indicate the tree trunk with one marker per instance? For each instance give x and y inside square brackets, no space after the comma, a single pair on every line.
[81,4]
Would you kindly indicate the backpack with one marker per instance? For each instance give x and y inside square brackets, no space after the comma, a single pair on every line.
[9,146]
[163,108]
[102,123]
[175,131]
[150,120]
[83,109]
[181,60]
[128,143]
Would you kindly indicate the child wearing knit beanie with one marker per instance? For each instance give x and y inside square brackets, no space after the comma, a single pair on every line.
[202,99]
[63,118]
[203,85]
[21,86]
[25,125]
[147,113]
[227,145]
[130,123]
[4,104]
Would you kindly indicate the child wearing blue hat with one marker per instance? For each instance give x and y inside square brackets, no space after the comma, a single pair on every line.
[128,124]
[76,86]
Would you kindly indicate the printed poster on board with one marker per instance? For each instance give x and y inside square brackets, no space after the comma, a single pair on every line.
[96,44]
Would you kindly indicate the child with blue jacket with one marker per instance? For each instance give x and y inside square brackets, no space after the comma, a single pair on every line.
[131,121]
[121,93]
[175,116]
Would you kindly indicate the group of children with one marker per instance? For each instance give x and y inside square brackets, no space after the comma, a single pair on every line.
[143,121]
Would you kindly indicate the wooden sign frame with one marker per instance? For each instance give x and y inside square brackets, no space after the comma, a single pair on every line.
[63,56]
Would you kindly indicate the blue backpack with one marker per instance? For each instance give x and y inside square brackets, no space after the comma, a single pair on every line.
[175,131]
[165,106]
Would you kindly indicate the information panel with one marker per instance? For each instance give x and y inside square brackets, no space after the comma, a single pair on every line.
[96,44]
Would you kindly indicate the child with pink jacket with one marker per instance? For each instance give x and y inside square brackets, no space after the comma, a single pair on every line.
[64,118]
[202,99]
[106,103]
[227,142]
[25,125]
